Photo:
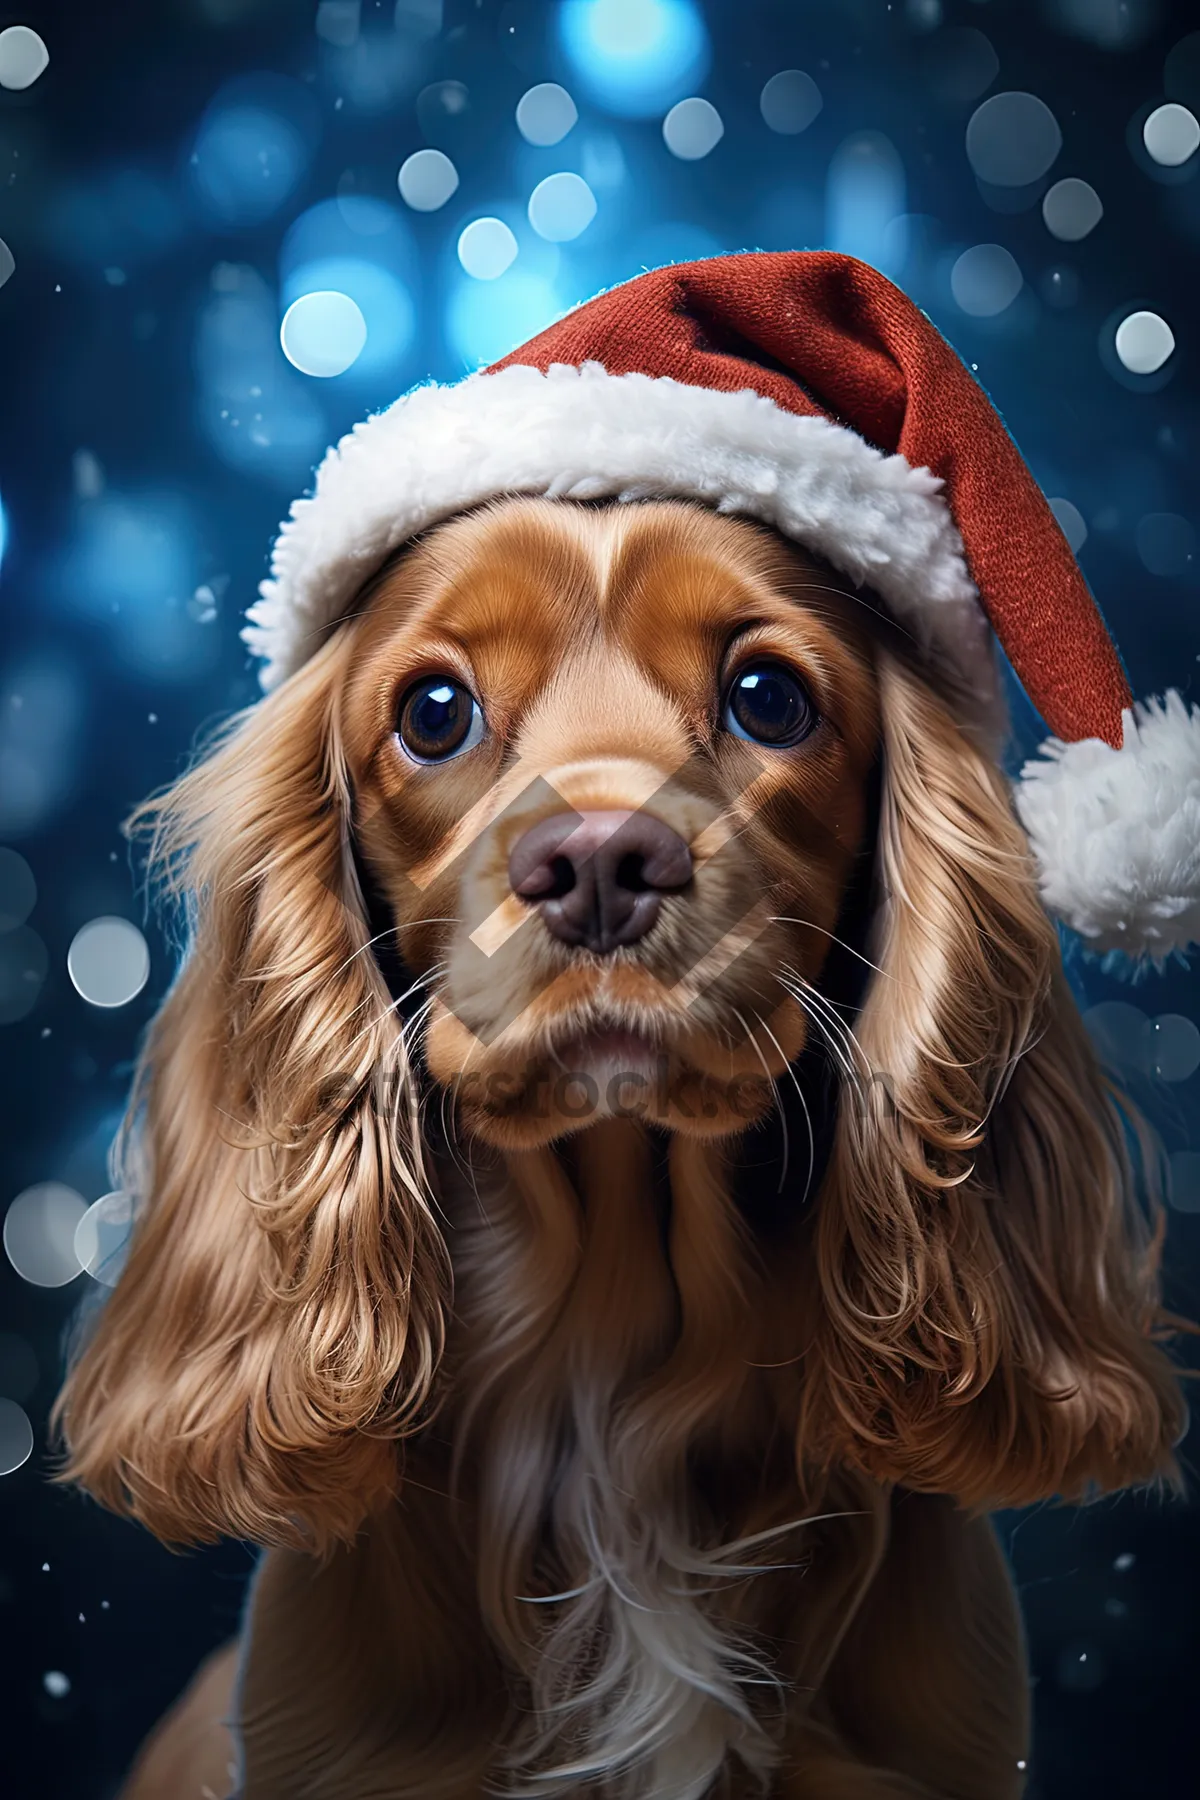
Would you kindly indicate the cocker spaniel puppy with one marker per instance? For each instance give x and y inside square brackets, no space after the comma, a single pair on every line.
[625,1189]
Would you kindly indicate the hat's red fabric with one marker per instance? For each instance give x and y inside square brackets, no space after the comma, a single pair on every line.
[825,334]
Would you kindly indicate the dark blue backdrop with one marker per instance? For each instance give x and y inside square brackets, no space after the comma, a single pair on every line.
[179,174]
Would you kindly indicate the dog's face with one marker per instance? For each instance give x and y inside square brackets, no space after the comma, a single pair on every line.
[610,769]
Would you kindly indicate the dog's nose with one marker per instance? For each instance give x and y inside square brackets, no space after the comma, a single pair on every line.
[598,878]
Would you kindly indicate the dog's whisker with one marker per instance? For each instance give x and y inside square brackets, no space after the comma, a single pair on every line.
[845,1068]
[322,631]
[423,981]
[475,1048]
[805,1002]
[393,1006]
[774,1087]
[554,1599]
[394,931]
[412,1026]
[738,1545]
[809,925]
[409,1032]
[812,998]
[828,1012]
[450,1139]
[808,1124]
[824,587]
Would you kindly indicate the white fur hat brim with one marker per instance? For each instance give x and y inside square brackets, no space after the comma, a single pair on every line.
[584,434]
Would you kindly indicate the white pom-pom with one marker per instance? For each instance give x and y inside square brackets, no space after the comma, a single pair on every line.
[1116,833]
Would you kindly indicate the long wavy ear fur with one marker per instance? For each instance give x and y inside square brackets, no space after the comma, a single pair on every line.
[987,1282]
[279,1322]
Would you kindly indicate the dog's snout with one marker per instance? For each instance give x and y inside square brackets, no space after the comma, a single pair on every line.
[598,877]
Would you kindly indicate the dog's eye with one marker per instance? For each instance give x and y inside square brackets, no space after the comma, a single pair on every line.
[439,718]
[768,704]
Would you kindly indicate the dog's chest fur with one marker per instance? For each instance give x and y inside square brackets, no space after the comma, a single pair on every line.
[619,1443]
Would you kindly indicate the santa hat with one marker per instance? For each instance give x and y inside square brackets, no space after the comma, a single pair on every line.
[805,391]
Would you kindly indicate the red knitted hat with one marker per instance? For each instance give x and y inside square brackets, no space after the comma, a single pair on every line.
[806,391]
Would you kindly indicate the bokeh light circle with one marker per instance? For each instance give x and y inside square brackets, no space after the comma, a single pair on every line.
[108,962]
[561,207]
[635,57]
[985,280]
[545,114]
[484,321]
[441,108]
[1109,24]
[1071,209]
[1172,1047]
[865,197]
[18,890]
[1012,139]
[323,334]
[39,1234]
[960,64]
[8,262]
[338,22]
[280,428]
[1171,135]
[23,57]
[1118,1033]
[1166,543]
[252,149]
[43,701]
[923,15]
[419,20]
[1181,71]
[790,102]
[56,1684]
[360,207]
[129,565]
[426,180]
[1144,341]
[16,1437]
[1071,523]
[381,297]
[1184,1188]
[487,248]
[692,129]
[372,261]
[101,1240]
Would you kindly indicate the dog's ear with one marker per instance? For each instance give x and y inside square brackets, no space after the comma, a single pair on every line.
[986,1277]
[279,1321]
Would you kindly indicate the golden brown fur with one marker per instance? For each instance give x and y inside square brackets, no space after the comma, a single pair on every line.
[569,1475]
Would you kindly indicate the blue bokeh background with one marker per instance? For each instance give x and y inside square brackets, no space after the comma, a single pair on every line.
[181,173]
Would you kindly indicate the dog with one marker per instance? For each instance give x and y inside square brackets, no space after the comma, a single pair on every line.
[624,1190]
